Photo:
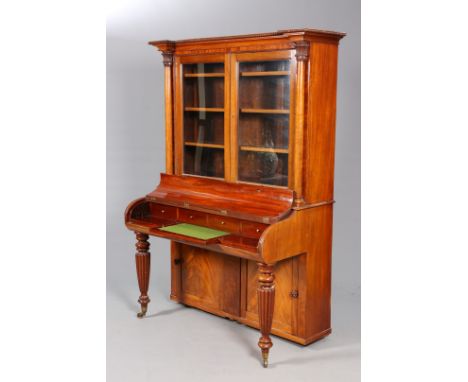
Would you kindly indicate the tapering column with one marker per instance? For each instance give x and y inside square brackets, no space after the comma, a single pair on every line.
[143,261]
[168,60]
[266,306]
[302,57]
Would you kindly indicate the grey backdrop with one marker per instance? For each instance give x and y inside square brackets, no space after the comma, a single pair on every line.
[135,150]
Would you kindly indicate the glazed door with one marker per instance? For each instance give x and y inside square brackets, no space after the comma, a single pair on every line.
[201,116]
[261,100]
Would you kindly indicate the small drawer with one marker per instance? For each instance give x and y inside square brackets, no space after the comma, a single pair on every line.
[223,223]
[191,216]
[163,211]
[252,229]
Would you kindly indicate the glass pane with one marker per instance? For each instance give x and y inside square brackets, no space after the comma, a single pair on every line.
[263,122]
[204,161]
[263,167]
[204,68]
[203,94]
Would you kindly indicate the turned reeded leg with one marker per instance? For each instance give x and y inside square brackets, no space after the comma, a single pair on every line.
[142,259]
[266,305]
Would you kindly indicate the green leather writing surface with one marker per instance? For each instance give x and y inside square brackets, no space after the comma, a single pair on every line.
[196,231]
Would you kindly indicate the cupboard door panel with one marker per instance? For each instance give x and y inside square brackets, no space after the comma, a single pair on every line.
[210,280]
[201,276]
[231,285]
[285,304]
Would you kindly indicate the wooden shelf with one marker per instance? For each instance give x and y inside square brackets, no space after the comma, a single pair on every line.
[264,149]
[207,145]
[203,75]
[265,111]
[207,109]
[263,74]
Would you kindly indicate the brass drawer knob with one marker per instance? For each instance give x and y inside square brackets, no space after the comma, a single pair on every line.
[257,230]
[162,211]
[191,217]
[222,223]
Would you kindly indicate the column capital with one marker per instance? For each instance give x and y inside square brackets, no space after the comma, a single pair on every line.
[168,58]
[302,50]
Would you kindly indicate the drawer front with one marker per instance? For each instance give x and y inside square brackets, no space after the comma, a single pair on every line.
[162,211]
[252,229]
[191,216]
[223,223]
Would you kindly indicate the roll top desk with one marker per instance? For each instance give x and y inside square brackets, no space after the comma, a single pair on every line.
[247,195]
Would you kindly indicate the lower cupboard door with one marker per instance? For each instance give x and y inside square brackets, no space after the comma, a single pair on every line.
[210,280]
[285,312]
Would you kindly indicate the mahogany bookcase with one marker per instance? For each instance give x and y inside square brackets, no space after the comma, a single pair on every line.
[250,141]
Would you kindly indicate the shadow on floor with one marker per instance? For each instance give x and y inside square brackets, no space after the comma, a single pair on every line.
[165,312]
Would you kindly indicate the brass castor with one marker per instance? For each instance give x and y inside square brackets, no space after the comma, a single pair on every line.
[143,312]
[265,359]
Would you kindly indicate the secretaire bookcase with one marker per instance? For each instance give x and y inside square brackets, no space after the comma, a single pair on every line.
[247,196]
